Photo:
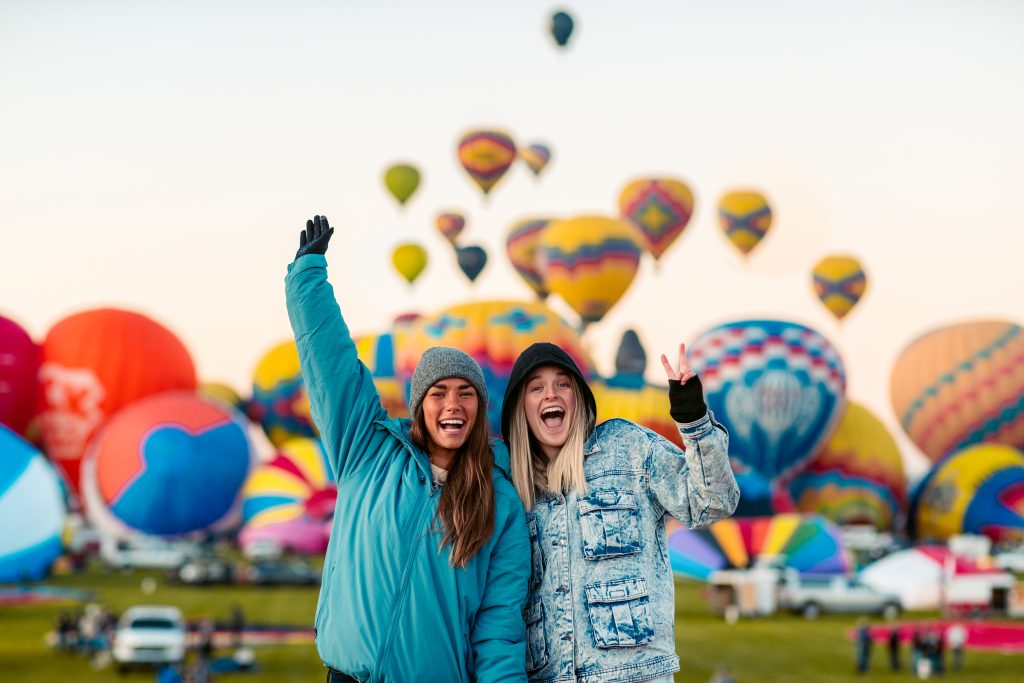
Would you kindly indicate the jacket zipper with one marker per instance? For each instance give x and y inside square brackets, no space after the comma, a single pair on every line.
[403,589]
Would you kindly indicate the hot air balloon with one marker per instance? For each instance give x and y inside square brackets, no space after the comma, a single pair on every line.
[858,477]
[961,385]
[745,217]
[167,465]
[401,180]
[561,28]
[377,352]
[631,358]
[536,157]
[471,260]
[808,543]
[659,209]
[494,333]
[839,281]
[409,259]
[979,490]
[451,225]
[279,402]
[759,496]
[95,363]
[486,155]
[521,245]
[290,499]
[32,507]
[19,368]
[589,261]
[224,393]
[779,388]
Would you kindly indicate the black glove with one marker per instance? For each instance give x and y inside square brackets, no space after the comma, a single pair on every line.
[686,400]
[314,239]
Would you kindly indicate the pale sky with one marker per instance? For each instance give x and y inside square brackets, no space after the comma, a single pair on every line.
[162,157]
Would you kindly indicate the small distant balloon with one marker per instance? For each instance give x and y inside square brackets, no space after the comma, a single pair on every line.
[402,181]
[745,218]
[659,209]
[409,259]
[451,225]
[486,155]
[536,157]
[561,28]
[521,246]
[840,282]
[471,260]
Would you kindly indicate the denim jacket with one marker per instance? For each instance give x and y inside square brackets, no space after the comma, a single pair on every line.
[601,605]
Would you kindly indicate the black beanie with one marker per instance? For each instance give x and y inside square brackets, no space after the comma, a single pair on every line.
[539,355]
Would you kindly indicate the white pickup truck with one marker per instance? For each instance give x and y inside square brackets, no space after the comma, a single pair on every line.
[815,595]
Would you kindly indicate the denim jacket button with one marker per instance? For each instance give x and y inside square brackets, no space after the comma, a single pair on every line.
[566,636]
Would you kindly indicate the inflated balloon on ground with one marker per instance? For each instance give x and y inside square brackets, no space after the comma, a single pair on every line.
[961,385]
[590,261]
[93,364]
[779,388]
[279,402]
[167,465]
[19,382]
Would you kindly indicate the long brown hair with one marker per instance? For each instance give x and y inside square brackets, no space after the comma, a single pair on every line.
[466,507]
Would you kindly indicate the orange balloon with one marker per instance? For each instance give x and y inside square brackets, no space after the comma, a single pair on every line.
[95,363]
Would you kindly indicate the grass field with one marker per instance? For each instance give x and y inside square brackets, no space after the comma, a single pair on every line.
[783,648]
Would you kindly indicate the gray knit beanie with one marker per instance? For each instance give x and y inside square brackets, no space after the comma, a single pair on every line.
[439,362]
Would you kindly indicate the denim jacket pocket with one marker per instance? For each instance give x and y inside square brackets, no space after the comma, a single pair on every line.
[536,553]
[536,642]
[609,523]
[618,613]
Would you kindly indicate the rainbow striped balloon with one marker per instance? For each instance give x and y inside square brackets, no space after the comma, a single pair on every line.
[536,157]
[451,225]
[840,282]
[745,217]
[659,208]
[521,245]
[962,385]
[858,477]
[486,155]
[590,261]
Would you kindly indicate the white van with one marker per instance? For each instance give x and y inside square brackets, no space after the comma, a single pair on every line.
[149,634]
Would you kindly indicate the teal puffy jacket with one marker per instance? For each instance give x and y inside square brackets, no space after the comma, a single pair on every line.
[391,607]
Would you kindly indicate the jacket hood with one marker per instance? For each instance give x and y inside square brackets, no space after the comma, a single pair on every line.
[538,355]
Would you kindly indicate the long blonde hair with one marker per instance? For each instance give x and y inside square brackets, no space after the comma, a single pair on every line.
[531,469]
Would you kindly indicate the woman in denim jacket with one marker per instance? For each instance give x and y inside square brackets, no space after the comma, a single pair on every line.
[601,605]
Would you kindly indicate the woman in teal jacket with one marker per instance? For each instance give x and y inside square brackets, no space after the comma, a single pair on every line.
[426,572]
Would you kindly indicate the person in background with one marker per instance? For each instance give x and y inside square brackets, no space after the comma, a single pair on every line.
[894,648]
[956,639]
[863,645]
[426,571]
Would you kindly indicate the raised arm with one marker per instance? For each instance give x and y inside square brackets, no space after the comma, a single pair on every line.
[697,486]
[342,397]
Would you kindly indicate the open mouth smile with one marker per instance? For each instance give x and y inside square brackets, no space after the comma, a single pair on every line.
[553,416]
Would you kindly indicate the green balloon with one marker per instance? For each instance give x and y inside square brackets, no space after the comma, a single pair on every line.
[402,181]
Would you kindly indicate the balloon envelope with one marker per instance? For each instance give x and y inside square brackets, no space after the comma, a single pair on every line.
[494,333]
[409,259]
[19,369]
[590,261]
[840,282]
[167,465]
[745,217]
[979,490]
[630,398]
[522,246]
[94,364]
[486,155]
[858,477]
[471,260]
[401,180]
[779,388]
[32,507]
[451,225]
[279,402]
[659,209]
[536,157]
[961,385]
[561,28]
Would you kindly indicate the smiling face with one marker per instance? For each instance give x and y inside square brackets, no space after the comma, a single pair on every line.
[449,412]
[550,403]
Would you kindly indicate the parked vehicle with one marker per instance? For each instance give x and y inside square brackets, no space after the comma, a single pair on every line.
[204,570]
[1011,560]
[283,572]
[149,635]
[146,552]
[812,596]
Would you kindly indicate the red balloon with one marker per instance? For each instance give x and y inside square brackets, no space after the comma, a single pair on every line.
[19,366]
[96,362]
